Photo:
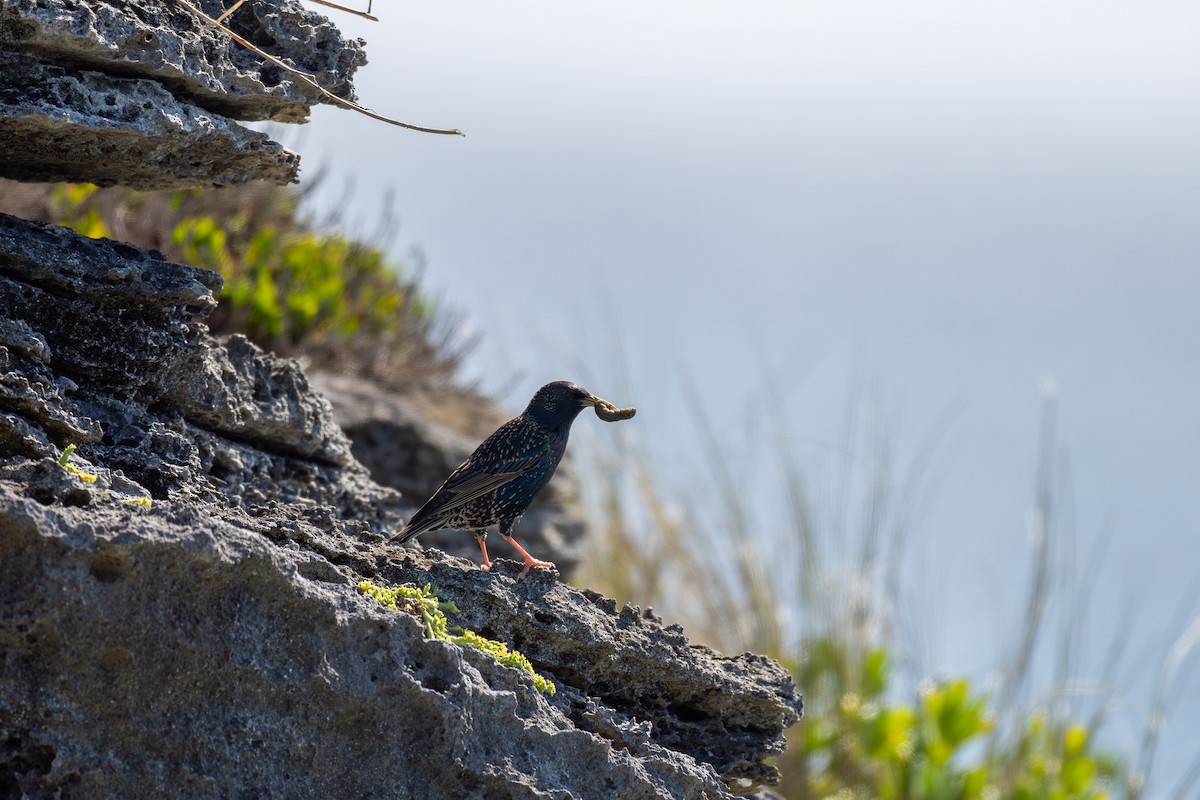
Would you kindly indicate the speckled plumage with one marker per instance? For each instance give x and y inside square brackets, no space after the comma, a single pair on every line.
[496,484]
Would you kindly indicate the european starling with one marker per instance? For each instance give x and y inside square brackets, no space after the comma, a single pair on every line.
[499,480]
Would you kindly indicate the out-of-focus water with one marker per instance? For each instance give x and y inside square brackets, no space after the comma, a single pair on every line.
[946,206]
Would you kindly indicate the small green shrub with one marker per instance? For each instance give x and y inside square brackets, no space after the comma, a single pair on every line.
[293,285]
[854,742]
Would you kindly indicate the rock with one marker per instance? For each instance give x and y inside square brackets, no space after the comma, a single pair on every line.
[178,611]
[63,124]
[168,652]
[144,93]
[29,388]
[182,416]
[624,670]
[160,40]
[405,449]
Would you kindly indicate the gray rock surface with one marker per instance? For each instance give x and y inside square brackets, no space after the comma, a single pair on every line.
[162,41]
[116,348]
[213,644]
[149,91]
[63,124]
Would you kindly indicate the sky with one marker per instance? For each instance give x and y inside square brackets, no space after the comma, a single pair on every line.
[949,209]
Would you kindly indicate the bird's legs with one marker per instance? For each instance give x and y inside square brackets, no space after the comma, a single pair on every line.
[482,539]
[530,561]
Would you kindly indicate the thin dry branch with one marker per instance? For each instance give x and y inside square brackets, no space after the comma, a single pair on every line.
[229,11]
[364,14]
[311,80]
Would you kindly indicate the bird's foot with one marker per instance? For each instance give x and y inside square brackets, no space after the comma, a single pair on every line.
[482,539]
[530,561]
[533,562]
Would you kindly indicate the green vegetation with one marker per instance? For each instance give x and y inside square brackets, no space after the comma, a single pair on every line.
[500,652]
[418,602]
[291,285]
[423,603]
[864,745]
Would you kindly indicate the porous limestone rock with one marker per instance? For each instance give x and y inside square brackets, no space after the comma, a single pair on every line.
[119,350]
[145,93]
[178,611]
[163,41]
[176,652]
[63,124]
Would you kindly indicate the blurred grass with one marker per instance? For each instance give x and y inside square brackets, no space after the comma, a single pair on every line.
[823,591]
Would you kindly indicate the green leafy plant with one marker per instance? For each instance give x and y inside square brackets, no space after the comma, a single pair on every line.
[424,604]
[856,742]
[290,285]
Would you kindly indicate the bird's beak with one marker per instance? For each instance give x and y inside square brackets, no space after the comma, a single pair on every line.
[591,400]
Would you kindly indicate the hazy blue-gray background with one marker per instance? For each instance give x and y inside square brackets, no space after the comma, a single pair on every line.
[949,204]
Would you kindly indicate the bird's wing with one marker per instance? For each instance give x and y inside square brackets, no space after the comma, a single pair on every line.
[462,489]
[469,482]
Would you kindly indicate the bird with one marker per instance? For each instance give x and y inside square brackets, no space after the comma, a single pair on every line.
[497,482]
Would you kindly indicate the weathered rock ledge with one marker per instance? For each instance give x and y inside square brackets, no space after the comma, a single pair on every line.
[145,93]
[214,644]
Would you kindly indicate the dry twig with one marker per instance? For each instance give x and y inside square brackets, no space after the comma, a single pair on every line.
[364,14]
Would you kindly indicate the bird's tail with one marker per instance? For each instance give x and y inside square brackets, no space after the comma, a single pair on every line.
[419,523]
[403,535]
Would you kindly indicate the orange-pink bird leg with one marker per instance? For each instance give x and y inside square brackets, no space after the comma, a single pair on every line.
[530,561]
[487,562]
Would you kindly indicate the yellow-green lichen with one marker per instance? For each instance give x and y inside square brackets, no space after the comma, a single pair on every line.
[141,501]
[424,603]
[63,461]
